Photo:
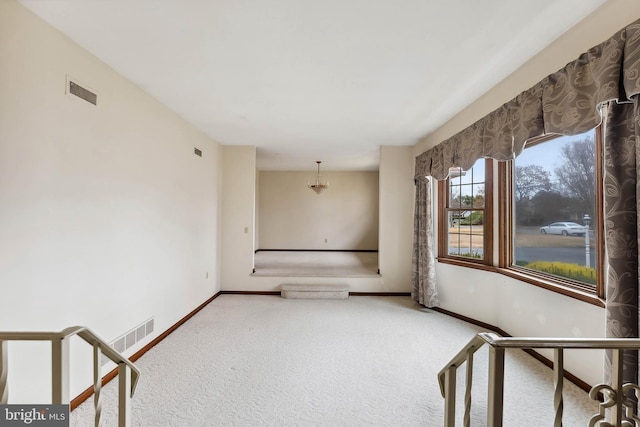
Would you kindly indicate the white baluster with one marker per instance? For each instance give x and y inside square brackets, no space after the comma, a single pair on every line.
[467,394]
[608,401]
[97,383]
[4,368]
[630,402]
[616,384]
[124,395]
[496,387]
[60,370]
[450,397]
[558,380]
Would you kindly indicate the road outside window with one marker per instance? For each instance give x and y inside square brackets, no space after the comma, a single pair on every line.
[555,208]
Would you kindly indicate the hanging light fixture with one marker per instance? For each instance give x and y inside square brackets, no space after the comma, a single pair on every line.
[318,187]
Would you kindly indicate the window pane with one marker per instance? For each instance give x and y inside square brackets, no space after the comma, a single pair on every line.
[478,195]
[463,216]
[466,233]
[466,188]
[454,196]
[455,187]
[555,198]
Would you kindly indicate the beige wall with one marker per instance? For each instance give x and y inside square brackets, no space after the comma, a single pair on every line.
[396,216]
[344,217]
[596,28]
[519,308]
[107,217]
[238,214]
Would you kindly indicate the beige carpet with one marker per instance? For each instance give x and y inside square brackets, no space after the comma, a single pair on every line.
[248,360]
[316,263]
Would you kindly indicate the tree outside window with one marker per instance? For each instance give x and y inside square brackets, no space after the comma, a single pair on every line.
[465,212]
[555,211]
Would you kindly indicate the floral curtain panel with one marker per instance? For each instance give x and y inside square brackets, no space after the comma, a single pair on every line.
[423,260]
[621,179]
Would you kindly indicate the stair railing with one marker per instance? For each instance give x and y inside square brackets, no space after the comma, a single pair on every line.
[622,409]
[128,374]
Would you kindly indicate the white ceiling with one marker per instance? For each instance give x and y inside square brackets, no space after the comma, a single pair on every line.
[302,80]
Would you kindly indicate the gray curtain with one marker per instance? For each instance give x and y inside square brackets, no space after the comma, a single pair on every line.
[423,260]
[621,155]
[565,102]
[568,102]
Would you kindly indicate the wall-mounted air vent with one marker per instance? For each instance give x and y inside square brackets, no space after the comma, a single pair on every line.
[74,88]
[198,152]
[132,336]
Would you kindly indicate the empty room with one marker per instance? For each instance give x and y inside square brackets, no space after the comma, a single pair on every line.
[331,213]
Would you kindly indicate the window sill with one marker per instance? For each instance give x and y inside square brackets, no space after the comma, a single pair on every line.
[566,290]
[468,264]
[553,286]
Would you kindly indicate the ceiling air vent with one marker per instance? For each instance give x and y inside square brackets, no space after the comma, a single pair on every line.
[83,93]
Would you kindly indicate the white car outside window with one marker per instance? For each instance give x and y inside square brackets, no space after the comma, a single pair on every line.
[564,228]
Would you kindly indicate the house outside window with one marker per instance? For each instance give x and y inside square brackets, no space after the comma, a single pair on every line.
[466,203]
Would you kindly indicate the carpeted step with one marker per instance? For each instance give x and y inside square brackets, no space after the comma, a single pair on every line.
[314,291]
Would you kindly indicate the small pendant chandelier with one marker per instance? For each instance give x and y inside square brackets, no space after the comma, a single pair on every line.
[318,187]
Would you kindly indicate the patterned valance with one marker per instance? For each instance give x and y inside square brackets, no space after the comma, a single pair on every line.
[566,102]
